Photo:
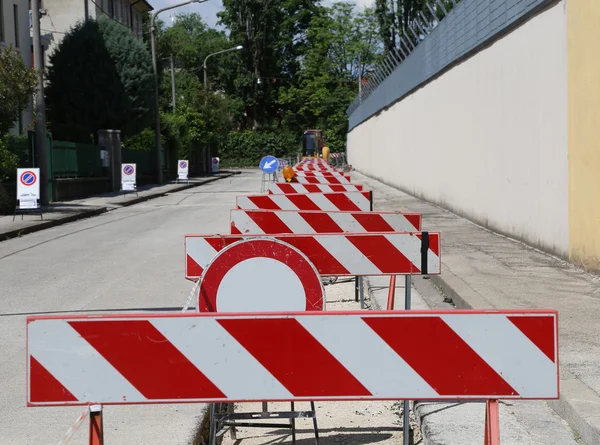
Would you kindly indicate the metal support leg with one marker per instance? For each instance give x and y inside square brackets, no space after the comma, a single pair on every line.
[212,432]
[96,425]
[361,292]
[315,426]
[492,423]
[391,293]
[356,289]
[406,426]
[293,423]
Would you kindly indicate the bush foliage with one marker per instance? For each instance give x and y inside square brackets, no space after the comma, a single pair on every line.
[246,148]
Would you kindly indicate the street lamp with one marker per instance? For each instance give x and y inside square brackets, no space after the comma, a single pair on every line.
[154,67]
[235,48]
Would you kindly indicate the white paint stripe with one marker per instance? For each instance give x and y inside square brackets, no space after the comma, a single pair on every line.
[295,222]
[360,200]
[410,247]
[220,358]
[244,223]
[368,358]
[347,254]
[399,222]
[433,262]
[508,351]
[244,203]
[76,364]
[347,222]
[283,202]
[199,249]
[322,202]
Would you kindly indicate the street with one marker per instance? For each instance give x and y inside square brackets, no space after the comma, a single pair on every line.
[127,259]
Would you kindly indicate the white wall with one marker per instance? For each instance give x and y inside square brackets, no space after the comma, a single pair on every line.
[487,139]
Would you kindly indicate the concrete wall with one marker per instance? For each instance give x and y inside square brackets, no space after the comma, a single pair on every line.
[487,139]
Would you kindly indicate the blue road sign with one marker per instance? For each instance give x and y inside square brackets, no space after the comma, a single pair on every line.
[269,164]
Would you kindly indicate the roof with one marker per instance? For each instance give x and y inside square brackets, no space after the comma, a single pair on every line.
[142,5]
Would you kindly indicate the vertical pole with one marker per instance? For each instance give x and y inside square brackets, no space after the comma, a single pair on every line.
[212,433]
[86,8]
[361,291]
[492,423]
[391,293]
[96,425]
[359,80]
[206,111]
[40,105]
[406,425]
[174,102]
[356,291]
[158,154]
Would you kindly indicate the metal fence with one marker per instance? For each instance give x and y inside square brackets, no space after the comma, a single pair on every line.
[76,160]
[142,159]
[429,46]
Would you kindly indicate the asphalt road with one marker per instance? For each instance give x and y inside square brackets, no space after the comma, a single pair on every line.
[128,259]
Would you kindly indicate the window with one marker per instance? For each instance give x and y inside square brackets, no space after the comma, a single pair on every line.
[1,21]
[16,19]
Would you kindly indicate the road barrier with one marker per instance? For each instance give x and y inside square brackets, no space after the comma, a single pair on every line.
[349,201]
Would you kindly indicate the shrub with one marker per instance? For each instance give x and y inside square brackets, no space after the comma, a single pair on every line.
[246,148]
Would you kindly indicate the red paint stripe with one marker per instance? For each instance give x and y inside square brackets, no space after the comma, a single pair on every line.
[286,188]
[307,369]
[372,222]
[303,202]
[321,222]
[234,229]
[192,268]
[147,359]
[325,263]
[342,202]
[44,387]
[540,330]
[264,202]
[269,222]
[415,220]
[434,242]
[383,254]
[440,357]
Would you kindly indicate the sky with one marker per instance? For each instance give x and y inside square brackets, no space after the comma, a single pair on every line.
[209,9]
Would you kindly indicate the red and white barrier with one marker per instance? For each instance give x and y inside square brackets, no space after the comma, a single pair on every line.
[351,202]
[287,221]
[168,358]
[322,173]
[280,188]
[320,180]
[337,255]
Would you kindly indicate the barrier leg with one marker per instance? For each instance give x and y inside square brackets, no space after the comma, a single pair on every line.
[361,292]
[96,427]
[492,423]
[407,295]
[312,407]
[293,424]
[391,293]
[356,289]
[212,431]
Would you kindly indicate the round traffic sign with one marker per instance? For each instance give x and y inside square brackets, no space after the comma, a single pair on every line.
[260,275]
[28,178]
[269,164]
[183,164]
[128,170]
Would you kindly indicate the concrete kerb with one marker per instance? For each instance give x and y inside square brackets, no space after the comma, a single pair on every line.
[578,405]
[102,209]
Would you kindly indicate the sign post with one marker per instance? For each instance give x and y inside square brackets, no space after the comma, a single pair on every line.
[28,192]
[128,178]
[269,165]
[183,168]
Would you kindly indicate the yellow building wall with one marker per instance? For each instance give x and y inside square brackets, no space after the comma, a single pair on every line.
[583,59]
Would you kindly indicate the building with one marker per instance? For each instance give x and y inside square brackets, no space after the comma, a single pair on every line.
[60,15]
[14,30]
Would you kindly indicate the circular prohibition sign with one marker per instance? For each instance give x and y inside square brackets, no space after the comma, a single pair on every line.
[128,170]
[182,164]
[260,275]
[28,178]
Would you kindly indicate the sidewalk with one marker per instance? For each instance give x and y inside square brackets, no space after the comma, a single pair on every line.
[485,270]
[63,212]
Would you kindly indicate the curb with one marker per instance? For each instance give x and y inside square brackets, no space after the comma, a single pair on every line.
[99,210]
[48,224]
[578,405]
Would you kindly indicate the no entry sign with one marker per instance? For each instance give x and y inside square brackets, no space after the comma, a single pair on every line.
[260,275]
[28,188]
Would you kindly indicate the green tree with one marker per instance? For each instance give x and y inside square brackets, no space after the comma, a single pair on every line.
[85,92]
[134,65]
[17,84]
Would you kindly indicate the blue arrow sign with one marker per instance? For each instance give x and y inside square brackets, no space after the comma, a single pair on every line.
[269,164]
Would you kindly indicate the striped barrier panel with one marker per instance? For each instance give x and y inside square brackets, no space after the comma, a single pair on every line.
[351,201]
[280,188]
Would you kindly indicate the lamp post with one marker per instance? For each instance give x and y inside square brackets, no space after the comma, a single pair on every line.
[154,67]
[235,48]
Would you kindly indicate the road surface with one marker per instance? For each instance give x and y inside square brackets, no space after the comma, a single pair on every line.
[128,259]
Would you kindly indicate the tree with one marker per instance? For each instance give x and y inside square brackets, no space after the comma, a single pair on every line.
[17,84]
[337,41]
[85,92]
[134,65]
